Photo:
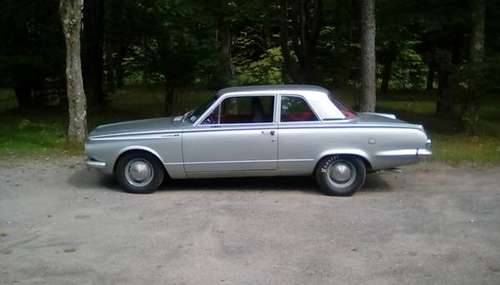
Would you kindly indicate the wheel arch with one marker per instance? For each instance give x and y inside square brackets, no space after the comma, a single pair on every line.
[139,149]
[346,152]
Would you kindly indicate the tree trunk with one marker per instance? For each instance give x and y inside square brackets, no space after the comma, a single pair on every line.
[430,78]
[170,100]
[288,72]
[343,37]
[470,116]
[118,67]
[386,76]
[368,84]
[300,24]
[71,17]
[224,46]
[447,68]
[110,70]
[92,57]
[24,96]
[444,107]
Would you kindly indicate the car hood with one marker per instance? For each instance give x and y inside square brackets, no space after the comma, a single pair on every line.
[138,126]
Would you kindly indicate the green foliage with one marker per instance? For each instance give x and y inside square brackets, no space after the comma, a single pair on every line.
[31,43]
[265,70]
[409,69]
[471,121]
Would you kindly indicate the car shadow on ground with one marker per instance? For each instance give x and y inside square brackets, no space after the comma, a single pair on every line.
[88,179]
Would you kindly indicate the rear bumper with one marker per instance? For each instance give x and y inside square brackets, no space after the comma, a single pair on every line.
[395,158]
[424,153]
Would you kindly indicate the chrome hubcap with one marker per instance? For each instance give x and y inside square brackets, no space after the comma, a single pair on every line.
[342,173]
[139,172]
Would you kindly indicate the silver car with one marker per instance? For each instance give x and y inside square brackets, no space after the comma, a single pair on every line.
[295,130]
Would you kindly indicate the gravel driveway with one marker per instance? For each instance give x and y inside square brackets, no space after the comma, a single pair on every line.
[431,224]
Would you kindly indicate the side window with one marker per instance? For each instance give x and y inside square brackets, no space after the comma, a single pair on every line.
[295,109]
[240,110]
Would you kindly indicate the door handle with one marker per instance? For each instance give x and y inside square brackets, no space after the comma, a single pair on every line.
[272,133]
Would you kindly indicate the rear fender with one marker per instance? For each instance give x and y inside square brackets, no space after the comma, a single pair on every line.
[345,151]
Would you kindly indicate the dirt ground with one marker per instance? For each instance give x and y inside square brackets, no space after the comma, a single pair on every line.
[431,224]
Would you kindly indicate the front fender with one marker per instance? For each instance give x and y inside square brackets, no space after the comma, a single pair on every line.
[138,147]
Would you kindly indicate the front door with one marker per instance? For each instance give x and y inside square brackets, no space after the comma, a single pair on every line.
[240,134]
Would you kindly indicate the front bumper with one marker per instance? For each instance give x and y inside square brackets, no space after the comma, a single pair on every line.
[91,163]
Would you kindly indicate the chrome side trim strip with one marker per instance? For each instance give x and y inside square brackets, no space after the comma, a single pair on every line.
[135,137]
[230,161]
[176,133]
[239,161]
[174,163]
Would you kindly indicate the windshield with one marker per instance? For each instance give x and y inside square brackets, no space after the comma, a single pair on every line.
[346,111]
[196,113]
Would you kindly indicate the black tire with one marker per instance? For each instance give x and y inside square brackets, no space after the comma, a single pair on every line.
[150,184]
[326,179]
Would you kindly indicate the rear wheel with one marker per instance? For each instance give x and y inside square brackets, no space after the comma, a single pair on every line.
[139,172]
[340,175]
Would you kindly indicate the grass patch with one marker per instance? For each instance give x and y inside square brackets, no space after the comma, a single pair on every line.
[21,136]
[456,149]
[7,100]
[449,143]
[42,132]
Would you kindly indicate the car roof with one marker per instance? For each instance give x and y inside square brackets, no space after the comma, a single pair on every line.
[316,96]
[273,88]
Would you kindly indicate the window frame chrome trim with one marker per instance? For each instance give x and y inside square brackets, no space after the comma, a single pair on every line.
[218,102]
[280,95]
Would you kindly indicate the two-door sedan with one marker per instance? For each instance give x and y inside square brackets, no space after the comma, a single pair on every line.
[295,130]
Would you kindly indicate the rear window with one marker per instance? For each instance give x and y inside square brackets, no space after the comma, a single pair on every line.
[295,109]
[346,111]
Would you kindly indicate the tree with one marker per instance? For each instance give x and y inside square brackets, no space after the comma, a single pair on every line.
[429,82]
[388,55]
[92,44]
[71,17]
[30,48]
[223,13]
[341,56]
[472,103]
[394,37]
[368,62]
[300,27]
[224,43]
[440,27]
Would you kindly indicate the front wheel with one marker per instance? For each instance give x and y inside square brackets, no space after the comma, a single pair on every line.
[340,175]
[139,172]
